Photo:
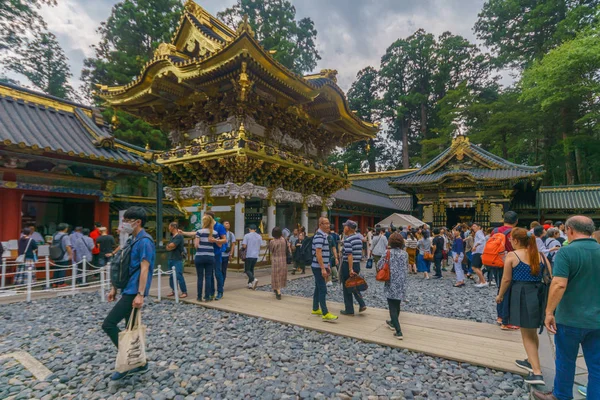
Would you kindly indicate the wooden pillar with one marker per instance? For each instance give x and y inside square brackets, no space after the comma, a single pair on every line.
[10,214]
[101,212]
[337,223]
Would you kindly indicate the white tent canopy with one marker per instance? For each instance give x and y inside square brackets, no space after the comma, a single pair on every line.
[401,220]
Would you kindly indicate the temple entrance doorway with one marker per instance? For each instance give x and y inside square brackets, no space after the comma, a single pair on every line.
[459,215]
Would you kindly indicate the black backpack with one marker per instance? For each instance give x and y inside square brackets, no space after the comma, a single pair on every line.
[306,253]
[119,265]
[57,253]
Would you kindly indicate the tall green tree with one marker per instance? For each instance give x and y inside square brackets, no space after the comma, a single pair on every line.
[45,64]
[276,28]
[565,86]
[395,85]
[362,98]
[19,20]
[128,40]
[521,31]
[416,73]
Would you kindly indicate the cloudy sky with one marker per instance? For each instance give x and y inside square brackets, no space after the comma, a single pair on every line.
[352,34]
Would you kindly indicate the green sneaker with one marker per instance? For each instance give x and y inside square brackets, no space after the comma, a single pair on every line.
[318,312]
[329,317]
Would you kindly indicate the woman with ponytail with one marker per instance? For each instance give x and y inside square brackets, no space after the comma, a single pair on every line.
[522,280]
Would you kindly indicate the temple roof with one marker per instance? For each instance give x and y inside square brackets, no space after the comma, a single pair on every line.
[464,161]
[31,120]
[574,197]
[205,57]
[360,196]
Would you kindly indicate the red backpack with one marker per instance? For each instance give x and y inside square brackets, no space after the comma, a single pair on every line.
[493,252]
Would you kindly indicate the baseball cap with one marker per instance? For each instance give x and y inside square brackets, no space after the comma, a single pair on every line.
[351,224]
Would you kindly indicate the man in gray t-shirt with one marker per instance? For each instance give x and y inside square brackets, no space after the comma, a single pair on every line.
[251,243]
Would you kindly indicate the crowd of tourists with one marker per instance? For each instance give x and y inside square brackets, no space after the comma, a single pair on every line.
[68,246]
[546,275]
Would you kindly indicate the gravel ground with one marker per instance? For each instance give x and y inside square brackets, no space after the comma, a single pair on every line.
[431,297]
[197,353]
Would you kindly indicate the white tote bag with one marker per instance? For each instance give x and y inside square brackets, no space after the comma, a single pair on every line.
[132,344]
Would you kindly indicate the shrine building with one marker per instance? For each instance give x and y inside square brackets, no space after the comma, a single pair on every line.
[250,138]
[60,163]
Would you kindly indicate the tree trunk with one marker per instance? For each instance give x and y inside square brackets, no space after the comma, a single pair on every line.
[570,172]
[423,121]
[579,166]
[371,156]
[404,130]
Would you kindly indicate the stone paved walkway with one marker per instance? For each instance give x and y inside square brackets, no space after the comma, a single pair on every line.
[465,341]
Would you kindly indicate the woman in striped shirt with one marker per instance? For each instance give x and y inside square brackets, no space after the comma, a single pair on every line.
[205,242]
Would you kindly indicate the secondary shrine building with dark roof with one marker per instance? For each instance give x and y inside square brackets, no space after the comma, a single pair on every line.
[465,183]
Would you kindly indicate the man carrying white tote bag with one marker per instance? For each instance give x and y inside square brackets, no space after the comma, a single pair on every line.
[131,271]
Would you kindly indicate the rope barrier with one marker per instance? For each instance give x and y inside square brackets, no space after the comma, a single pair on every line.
[17,290]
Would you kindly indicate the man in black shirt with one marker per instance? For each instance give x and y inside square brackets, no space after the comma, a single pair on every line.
[176,249]
[438,244]
[106,245]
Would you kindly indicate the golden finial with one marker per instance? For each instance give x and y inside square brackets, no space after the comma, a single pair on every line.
[114,120]
[147,146]
[368,148]
[346,169]
[244,26]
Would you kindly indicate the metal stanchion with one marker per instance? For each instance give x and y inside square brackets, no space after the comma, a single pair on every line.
[3,273]
[175,286]
[102,293]
[29,284]
[108,276]
[84,268]
[158,283]
[74,278]
[47,272]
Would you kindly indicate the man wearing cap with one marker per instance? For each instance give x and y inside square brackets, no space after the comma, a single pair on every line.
[352,256]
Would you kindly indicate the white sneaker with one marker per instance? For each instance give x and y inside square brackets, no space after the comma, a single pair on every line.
[329,284]
[254,284]
[482,285]
[249,286]
[492,283]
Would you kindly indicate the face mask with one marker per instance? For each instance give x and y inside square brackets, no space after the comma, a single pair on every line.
[127,228]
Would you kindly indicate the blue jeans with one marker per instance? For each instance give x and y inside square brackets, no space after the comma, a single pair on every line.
[567,342]
[348,293]
[320,292]
[204,270]
[469,261]
[61,271]
[178,264]
[224,265]
[218,273]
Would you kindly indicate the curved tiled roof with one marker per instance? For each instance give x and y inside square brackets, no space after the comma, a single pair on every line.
[576,197]
[489,166]
[355,195]
[378,184]
[69,131]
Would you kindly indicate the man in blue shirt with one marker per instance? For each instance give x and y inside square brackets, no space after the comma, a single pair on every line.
[141,267]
